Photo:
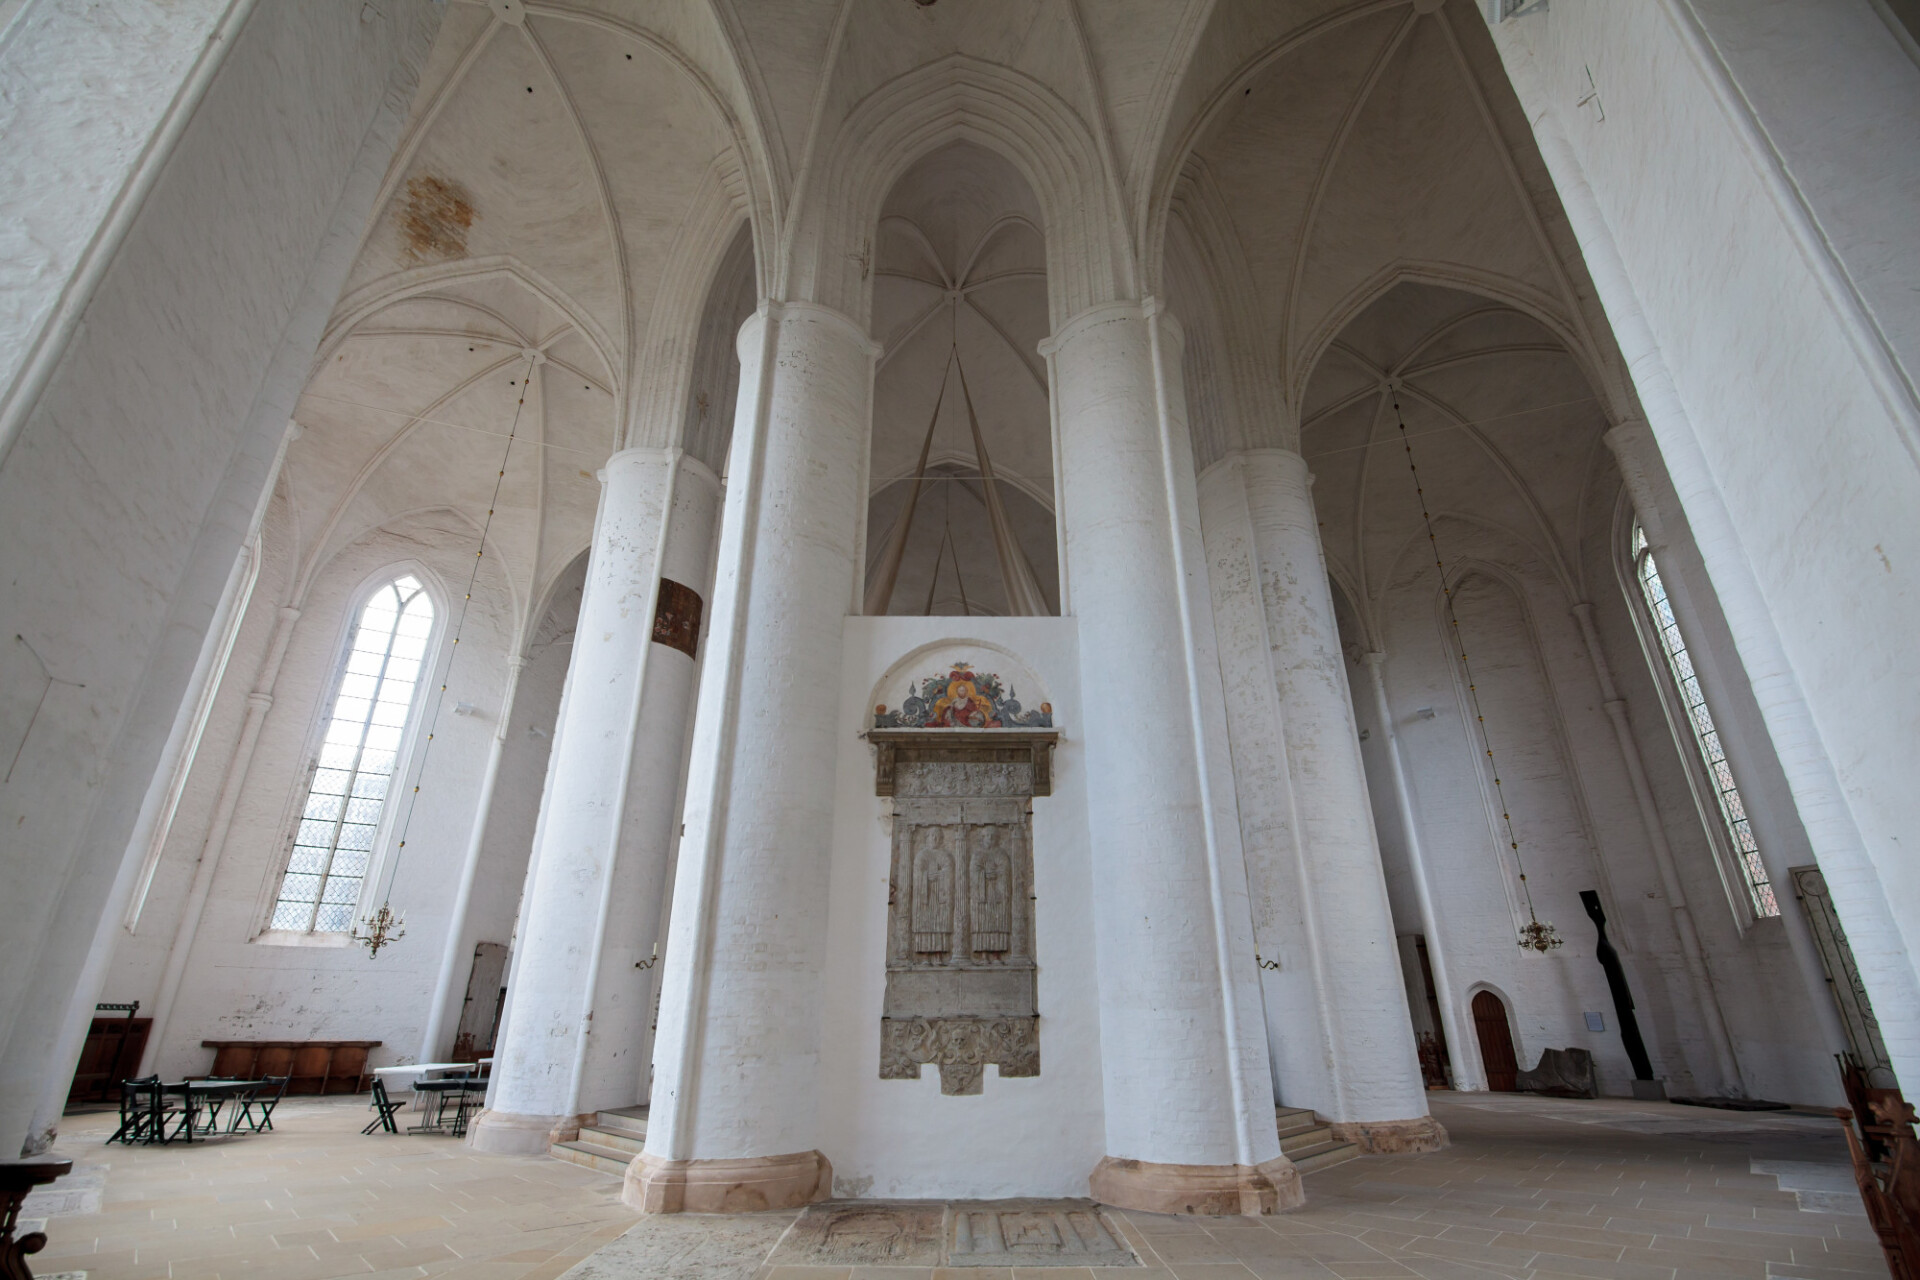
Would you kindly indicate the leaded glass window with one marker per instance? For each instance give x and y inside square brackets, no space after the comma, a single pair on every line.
[333,844]
[1699,721]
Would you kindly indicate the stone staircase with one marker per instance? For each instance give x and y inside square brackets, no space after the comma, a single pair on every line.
[1309,1142]
[609,1144]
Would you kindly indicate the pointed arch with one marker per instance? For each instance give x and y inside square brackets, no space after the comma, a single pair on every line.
[958,98]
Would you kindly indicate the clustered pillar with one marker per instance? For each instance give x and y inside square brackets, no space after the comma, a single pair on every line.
[1188,1111]
[734,1122]
[1353,1057]
[574,1039]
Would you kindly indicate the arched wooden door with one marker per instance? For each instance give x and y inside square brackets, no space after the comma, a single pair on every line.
[1496,1042]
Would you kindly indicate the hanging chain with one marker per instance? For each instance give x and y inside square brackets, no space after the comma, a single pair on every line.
[1536,934]
[383,926]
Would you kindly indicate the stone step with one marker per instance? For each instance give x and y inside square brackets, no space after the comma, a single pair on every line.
[590,1155]
[604,1135]
[627,1119]
[1301,1139]
[1323,1156]
[1294,1119]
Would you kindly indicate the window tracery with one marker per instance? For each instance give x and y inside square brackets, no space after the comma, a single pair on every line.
[333,842]
[1700,726]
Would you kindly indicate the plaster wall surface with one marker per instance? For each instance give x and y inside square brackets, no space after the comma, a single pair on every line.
[245,984]
[1788,427]
[902,1138]
[1563,781]
[1765,992]
[92,100]
[138,467]
[1836,98]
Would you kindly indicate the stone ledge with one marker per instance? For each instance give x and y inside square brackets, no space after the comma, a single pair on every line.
[655,1184]
[1216,1190]
[1392,1137]
[509,1133]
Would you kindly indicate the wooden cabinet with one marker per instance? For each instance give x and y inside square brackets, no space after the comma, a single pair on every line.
[112,1054]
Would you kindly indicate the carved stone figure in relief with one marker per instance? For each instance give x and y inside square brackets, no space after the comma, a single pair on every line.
[932,892]
[992,877]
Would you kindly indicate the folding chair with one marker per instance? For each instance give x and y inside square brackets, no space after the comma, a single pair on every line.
[265,1098]
[472,1099]
[139,1111]
[387,1108]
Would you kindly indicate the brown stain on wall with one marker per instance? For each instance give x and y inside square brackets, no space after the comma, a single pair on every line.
[435,219]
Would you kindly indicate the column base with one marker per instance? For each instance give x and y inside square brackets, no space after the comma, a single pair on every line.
[655,1184]
[509,1133]
[1217,1190]
[1392,1137]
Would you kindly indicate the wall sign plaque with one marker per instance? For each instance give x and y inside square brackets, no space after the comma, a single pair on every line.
[961,978]
[676,618]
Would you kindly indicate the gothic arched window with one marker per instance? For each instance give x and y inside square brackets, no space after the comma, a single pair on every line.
[333,844]
[1691,705]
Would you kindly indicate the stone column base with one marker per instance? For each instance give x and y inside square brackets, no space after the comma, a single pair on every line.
[508,1133]
[1214,1189]
[1392,1137]
[655,1184]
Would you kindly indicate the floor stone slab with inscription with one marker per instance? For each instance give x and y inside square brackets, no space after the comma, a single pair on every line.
[967,1233]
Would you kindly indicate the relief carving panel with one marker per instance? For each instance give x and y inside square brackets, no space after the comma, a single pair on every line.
[961,979]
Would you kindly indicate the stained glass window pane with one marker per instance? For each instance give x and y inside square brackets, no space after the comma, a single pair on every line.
[333,842]
[1706,737]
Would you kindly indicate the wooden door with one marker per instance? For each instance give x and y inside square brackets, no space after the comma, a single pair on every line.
[1496,1042]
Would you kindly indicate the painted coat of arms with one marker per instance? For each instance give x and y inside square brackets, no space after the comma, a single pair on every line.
[962,699]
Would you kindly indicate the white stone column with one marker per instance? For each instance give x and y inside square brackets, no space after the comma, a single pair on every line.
[1286,919]
[1188,1096]
[1381,1101]
[734,1122]
[444,1011]
[576,1040]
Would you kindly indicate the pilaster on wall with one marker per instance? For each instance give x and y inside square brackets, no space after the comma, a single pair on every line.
[1782,421]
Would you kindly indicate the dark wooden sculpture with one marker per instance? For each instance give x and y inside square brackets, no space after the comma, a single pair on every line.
[17,1178]
[1617,984]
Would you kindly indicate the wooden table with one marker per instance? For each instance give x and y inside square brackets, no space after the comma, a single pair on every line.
[17,1178]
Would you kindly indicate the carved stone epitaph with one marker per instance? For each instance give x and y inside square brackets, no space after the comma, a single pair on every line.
[961,979]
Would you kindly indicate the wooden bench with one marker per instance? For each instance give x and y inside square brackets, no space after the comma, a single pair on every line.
[315,1066]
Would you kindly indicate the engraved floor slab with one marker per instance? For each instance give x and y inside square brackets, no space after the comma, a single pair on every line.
[1033,1233]
[864,1233]
[969,1233]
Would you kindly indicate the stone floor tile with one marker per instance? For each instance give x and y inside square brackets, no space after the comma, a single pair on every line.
[1531,1188]
[1695,1264]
